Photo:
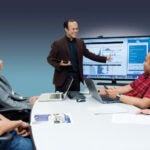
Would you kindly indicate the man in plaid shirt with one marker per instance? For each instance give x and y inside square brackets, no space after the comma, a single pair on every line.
[136,93]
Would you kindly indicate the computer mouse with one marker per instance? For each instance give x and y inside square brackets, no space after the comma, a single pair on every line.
[80,100]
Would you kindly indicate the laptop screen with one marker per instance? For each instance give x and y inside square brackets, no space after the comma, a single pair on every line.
[92,89]
[68,83]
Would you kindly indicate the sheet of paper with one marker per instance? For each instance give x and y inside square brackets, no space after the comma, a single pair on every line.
[107,109]
[131,119]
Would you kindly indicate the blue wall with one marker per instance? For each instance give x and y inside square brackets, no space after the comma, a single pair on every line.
[28,28]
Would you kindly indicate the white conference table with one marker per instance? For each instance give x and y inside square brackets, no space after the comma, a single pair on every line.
[86,131]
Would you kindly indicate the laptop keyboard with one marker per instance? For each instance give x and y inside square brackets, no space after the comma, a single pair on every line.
[106,99]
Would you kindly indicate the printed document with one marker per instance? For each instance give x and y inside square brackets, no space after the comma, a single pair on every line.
[131,118]
[107,109]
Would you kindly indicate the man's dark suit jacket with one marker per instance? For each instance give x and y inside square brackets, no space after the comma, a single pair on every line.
[60,51]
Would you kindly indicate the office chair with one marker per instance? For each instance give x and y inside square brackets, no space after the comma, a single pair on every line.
[6,137]
[16,113]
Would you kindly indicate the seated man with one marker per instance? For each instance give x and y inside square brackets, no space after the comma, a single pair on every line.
[136,93]
[8,98]
[144,111]
[19,130]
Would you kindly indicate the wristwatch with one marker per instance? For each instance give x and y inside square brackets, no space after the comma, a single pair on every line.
[118,97]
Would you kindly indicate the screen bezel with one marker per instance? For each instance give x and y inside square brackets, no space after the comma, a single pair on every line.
[113,80]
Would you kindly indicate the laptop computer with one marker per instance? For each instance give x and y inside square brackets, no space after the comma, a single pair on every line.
[94,93]
[57,96]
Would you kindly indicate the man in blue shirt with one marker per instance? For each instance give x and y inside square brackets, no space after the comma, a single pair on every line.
[20,131]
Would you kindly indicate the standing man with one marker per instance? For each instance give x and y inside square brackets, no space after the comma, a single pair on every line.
[66,56]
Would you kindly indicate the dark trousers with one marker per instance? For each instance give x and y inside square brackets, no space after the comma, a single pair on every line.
[75,84]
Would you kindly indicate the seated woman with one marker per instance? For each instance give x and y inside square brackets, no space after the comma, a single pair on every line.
[20,130]
[8,98]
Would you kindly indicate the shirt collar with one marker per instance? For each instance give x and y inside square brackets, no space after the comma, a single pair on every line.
[69,40]
[146,75]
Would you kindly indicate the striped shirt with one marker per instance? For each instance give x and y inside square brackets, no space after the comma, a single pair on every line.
[140,87]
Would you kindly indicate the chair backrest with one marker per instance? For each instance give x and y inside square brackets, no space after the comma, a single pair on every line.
[16,113]
[6,137]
